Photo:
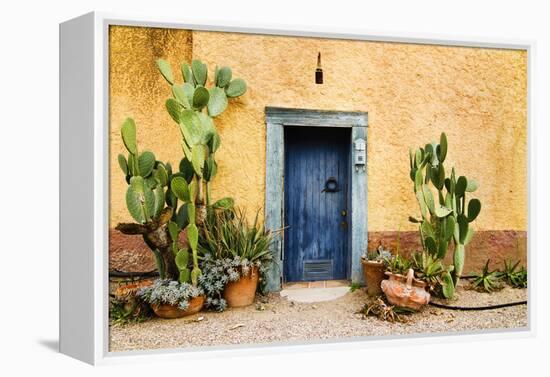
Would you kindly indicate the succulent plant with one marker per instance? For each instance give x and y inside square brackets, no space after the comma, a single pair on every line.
[445,216]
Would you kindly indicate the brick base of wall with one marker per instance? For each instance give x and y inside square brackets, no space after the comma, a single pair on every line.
[130,254]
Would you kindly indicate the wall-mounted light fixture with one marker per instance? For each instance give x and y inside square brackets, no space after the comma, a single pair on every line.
[319,71]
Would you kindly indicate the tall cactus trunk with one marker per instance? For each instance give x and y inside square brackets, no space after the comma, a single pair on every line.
[156,236]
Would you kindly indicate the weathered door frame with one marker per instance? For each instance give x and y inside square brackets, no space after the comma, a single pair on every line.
[276,119]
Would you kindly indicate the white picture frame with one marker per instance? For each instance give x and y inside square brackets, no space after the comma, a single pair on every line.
[84,186]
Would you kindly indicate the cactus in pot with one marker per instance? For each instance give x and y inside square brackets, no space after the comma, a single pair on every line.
[445,216]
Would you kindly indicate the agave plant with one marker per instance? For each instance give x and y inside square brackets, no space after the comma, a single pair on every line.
[445,217]
[230,247]
[487,281]
[514,277]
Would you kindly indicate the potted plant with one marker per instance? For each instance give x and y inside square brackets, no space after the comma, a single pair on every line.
[234,256]
[172,299]
[374,265]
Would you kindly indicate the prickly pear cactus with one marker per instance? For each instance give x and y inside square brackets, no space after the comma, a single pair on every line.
[445,216]
[193,107]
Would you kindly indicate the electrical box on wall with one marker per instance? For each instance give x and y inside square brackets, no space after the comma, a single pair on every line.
[360,154]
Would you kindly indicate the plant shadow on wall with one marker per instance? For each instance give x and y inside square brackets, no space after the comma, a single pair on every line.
[165,203]
[445,222]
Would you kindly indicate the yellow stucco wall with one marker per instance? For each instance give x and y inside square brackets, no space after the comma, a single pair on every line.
[411,92]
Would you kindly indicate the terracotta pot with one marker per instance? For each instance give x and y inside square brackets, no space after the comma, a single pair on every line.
[405,291]
[243,291]
[373,272]
[173,311]
[126,291]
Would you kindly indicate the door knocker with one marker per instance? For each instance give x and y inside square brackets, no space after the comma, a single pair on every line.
[331,185]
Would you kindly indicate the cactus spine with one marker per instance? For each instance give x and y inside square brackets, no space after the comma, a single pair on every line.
[446,217]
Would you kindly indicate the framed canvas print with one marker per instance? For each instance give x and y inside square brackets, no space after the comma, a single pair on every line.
[225,187]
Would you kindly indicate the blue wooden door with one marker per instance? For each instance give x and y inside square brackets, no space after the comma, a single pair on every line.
[316,203]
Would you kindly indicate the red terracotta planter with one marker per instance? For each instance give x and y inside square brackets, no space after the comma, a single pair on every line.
[173,311]
[374,274]
[243,291]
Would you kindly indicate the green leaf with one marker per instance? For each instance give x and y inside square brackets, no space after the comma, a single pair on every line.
[161,175]
[180,96]
[165,70]
[189,90]
[182,217]
[210,169]
[418,180]
[430,245]
[422,203]
[461,185]
[140,200]
[214,142]
[128,132]
[158,193]
[462,228]
[236,88]
[472,185]
[185,276]
[418,158]
[193,236]
[174,231]
[186,73]
[197,159]
[174,109]
[414,220]
[182,259]
[200,72]
[427,229]
[442,211]
[223,77]
[186,169]
[193,190]
[225,203]
[123,164]
[180,188]
[200,97]
[447,285]
[449,227]
[428,198]
[146,162]
[195,273]
[207,128]
[190,126]
[474,207]
[442,150]
[217,102]
[186,151]
[442,249]
[191,212]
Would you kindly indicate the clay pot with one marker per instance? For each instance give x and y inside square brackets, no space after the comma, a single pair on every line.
[173,311]
[373,272]
[405,291]
[129,291]
[243,291]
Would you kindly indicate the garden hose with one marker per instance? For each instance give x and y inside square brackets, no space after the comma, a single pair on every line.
[489,307]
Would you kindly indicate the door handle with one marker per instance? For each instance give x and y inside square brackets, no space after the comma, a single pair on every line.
[344,213]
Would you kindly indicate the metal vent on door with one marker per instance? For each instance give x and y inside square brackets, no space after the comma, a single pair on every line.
[318,269]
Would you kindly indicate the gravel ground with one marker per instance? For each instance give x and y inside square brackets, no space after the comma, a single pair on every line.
[275,319]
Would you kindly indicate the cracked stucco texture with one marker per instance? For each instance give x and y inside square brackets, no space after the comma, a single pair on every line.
[411,92]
